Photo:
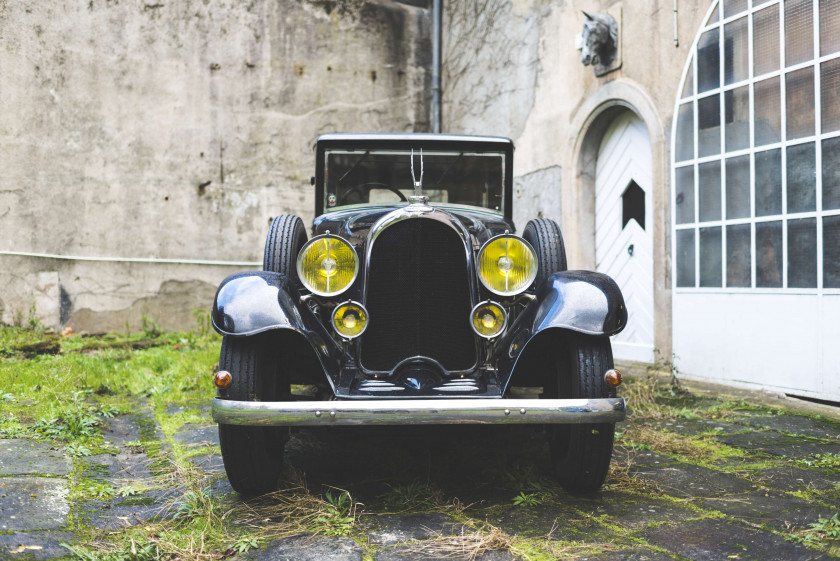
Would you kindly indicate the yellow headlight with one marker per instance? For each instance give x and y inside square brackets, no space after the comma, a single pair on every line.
[507,265]
[488,319]
[327,265]
[350,319]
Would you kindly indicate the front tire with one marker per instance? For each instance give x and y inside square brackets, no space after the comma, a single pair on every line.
[581,454]
[253,456]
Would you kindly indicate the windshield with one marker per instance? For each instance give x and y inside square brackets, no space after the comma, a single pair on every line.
[384,176]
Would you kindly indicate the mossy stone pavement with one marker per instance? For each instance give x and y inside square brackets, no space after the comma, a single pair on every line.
[716,479]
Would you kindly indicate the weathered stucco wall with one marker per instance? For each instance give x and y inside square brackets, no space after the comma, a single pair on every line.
[176,130]
[531,86]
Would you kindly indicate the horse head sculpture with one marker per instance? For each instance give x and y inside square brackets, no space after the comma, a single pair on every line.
[598,39]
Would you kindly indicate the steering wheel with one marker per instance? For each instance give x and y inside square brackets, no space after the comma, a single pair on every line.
[369,186]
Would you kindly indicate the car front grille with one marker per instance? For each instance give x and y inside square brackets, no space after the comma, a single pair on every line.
[418,297]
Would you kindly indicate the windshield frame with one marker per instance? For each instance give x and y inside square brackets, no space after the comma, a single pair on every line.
[407,141]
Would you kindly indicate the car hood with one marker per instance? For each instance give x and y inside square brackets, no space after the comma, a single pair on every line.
[353,224]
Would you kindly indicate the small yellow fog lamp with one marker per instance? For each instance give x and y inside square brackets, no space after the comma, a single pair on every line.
[507,265]
[488,319]
[350,319]
[327,265]
[222,379]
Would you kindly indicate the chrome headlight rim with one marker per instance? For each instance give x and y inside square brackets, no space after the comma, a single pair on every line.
[301,276]
[352,303]
[526,285]
[504,321]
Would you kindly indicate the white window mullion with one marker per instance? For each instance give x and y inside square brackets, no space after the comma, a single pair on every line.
[818,146]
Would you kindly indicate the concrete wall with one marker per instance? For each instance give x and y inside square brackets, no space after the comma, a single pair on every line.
[176,130]
[531,87]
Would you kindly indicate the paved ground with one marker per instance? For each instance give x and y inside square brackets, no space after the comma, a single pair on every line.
[720,481]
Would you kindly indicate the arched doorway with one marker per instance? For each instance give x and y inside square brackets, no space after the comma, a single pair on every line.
[623,228]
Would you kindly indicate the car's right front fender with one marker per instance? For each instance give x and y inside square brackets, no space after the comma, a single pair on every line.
[257,301]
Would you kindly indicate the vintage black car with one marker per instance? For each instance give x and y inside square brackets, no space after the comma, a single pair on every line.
[415,302]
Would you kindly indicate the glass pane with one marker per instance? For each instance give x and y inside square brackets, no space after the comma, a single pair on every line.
[685,132]
[830,94]
[685,258]
[732,7]
[829,27]
[801,178]
[831,173]
[766,41]
[685,195]
[711,262]
[799,87]
[708,123]
[768,253]
[757,3]
[738,255]
[735,52]
[768,183]
[709,191]
[831,252]
[738,187]
[708,61]
[737,105]
[768,111]
[715,15]
[802,253]
[799,31]
[688,88]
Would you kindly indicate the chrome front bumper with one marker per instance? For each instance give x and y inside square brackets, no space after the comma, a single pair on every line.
[419,412]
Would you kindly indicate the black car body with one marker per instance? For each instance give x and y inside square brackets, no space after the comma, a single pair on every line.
[415,302]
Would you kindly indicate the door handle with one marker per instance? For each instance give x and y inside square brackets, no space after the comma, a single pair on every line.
[630,250]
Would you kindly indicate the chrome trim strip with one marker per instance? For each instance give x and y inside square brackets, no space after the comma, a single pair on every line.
[420,411]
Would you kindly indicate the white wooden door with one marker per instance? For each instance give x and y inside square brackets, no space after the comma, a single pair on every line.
[624,229]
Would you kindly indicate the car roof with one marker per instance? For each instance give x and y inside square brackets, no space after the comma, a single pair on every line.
[424,137]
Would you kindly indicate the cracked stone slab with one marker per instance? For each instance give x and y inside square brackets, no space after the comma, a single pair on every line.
[197,435]
[415,552]
[122,512]
[796,424]
[777,444]
[692,427]
[33,503]
[119,469]
[713,540]
[395,529]
[308,548]
[770,509]
[641,457]
[211,463]
[38,545]
[21,456]
[792,478]
[122,429]
[685,480]
[635,554]
[560,519]
[634,511]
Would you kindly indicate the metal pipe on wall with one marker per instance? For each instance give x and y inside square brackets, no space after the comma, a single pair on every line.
[437,17]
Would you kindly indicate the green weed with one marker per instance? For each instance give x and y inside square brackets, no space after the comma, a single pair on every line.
[825,532]
[337,515]
[831,461]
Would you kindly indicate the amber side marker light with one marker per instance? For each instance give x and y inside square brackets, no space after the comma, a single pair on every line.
[222,379]
[613,378]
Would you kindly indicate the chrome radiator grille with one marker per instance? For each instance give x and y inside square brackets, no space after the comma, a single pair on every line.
[418,297]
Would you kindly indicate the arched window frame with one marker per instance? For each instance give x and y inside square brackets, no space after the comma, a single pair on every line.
[687,101]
